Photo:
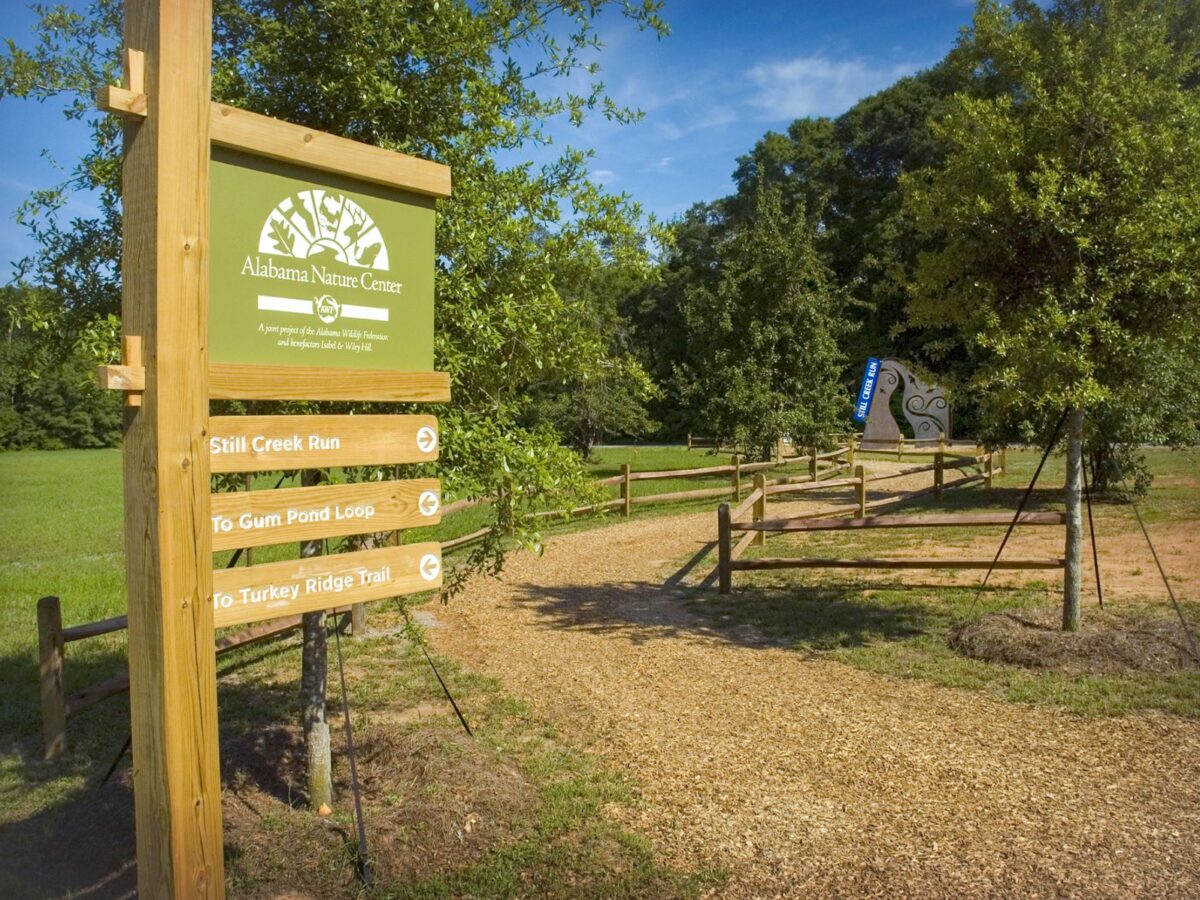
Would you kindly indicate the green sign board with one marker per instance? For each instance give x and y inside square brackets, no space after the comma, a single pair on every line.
[312,269]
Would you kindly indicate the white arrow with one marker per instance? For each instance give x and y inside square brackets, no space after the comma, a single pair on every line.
[428,503]
[426,439]
[431,567]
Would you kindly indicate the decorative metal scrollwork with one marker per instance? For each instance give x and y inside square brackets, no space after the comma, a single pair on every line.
[925,407]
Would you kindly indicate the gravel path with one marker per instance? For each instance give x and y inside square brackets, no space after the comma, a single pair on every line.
[802,776]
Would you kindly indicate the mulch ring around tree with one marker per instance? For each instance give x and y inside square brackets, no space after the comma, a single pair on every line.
[1107,643]
[434,801]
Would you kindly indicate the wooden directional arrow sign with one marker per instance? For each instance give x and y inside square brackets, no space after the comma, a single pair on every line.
[255,518]
[323,582]
[268,443]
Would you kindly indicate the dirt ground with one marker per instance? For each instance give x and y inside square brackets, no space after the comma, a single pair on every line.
[805,777]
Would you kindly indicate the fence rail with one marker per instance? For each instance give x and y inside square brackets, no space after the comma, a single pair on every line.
[756,529]
[57,708]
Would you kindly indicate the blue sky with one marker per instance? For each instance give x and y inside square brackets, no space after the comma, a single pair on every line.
[729,72]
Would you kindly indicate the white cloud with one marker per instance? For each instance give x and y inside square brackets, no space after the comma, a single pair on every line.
[664,165]
[816,85]
[709,117]
[604,176]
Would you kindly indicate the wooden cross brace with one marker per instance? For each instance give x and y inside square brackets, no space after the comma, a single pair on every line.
[130,376]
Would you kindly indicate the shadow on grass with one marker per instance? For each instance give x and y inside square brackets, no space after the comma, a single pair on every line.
[803,617]
[66,833]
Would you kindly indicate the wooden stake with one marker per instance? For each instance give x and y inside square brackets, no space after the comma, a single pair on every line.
[736,478]
[168,547]
[939,463]
[724,549]
[50,665]
[860,490]
[812,462]
[134,71]
[626,491]
[760,506]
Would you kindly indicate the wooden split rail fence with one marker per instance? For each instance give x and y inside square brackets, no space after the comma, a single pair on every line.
[626,500]
[58,708]
[756,529]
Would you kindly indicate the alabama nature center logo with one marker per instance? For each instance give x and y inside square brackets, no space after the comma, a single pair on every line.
[332,236]
[318,224]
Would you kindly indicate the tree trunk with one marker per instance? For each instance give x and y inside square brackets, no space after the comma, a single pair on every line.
[1073,576]
[313,674]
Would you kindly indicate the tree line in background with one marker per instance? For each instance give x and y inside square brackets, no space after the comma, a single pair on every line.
[1020,220]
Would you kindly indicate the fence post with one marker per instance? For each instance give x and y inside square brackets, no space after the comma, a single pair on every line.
[50,663]
[1003,461]
[989,470]
[850,442]
[358,620]
[860,490]
[689,440]
[724,550]
[812,462]
[760,507]
[900,447]
[939,463]
[627,490]
[737,477]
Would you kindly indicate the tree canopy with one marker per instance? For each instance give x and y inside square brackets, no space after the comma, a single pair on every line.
[1064,220]
[455,81]
[763,360]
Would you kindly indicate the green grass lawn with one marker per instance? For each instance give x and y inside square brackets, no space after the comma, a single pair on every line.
[875,621]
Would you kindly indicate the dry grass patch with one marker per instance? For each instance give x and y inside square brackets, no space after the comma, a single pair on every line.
[1106,643]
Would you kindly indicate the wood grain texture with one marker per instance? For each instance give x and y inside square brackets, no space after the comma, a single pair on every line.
[121,378]
[94,693]
[786,486]
[681,473]
[701,494]
[911,563]
[264,136]
[746,505]
[133,70]
[50,677]
[95,629]
[234,381]
[465,539]
[936,520]
[269,443]
[131,355]
[164,269]
[122,101]
[258,518]
[322,582]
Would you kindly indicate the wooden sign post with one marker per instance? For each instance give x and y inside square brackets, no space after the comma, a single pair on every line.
[313,307]
[168,546]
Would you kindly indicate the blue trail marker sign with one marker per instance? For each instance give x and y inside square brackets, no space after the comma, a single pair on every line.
[867,392]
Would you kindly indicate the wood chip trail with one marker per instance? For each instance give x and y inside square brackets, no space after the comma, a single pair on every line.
[801,776]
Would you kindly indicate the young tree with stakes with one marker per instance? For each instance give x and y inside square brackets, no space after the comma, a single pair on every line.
[1067,220]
